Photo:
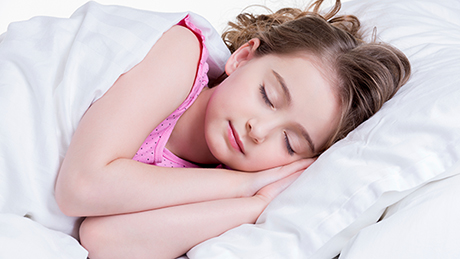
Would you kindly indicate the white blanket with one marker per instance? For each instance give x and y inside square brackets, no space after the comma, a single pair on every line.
[51,71]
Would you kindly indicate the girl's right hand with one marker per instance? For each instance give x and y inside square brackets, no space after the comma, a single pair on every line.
[270,182]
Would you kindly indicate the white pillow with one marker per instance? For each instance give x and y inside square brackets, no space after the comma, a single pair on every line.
[422,225]
[413,140]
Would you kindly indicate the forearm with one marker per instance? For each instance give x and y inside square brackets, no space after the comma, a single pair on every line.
[167,232]
[125,186]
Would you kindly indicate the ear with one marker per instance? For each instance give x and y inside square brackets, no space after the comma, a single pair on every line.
[241,55]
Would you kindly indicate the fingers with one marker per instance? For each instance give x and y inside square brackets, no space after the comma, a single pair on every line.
[269,176]
[291,173]
[287,181]
[269,192]
[301,164]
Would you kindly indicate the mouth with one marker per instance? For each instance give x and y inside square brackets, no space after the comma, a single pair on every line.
[234,139]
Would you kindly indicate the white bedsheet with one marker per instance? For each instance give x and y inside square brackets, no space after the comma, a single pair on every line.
[51,70]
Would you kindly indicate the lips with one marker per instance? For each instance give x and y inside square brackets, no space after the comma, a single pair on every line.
[234,139]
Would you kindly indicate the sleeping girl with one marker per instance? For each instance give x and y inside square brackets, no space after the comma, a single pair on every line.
[168,158]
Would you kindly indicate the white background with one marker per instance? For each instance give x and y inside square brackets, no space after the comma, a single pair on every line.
[218,12]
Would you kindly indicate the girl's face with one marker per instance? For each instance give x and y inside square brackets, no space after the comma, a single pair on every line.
[270,111]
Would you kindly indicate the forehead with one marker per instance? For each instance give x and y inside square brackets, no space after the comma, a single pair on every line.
[314,103]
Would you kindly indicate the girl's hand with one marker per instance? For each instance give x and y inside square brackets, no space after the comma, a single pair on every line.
[270,182]
[269,192]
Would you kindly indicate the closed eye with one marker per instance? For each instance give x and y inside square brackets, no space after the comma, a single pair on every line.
[288,144]
[265,96]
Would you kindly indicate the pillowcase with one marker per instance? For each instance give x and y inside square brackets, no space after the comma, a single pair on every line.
[422,225]
[413,140]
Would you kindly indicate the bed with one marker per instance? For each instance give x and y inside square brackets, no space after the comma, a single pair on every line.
[388,190]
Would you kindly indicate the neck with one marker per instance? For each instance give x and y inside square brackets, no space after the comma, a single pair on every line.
[187,140]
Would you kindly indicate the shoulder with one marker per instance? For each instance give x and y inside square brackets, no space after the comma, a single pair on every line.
[181,43]
[170,66]
[175,57]
[183,35]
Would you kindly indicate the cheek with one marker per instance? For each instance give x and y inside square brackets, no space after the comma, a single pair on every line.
[213,130]
[263,158]
[273,159]
[222,101]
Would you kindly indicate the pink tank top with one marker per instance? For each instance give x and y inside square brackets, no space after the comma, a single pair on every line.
[153,150]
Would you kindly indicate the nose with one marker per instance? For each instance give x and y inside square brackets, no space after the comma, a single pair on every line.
[259,130]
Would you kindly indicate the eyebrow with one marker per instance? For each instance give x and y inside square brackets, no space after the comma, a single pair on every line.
[287,95]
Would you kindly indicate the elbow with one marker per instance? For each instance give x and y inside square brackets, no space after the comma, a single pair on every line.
[68,205]
[72,196]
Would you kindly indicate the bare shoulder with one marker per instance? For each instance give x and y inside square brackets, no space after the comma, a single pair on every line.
[175,57]
[182,36]
[181,42]
[178,44]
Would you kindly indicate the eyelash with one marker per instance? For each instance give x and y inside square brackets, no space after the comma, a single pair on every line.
[288,145]
[265,96]
[269,103]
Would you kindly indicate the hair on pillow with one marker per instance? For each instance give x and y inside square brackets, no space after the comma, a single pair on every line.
[413,140]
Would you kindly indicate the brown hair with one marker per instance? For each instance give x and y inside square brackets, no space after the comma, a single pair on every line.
[366,74]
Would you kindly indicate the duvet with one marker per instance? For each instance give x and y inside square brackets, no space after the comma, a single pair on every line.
[51,71]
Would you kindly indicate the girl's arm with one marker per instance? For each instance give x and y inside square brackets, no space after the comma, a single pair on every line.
[165,233]
[98,176]
[172,231]
[126,186]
